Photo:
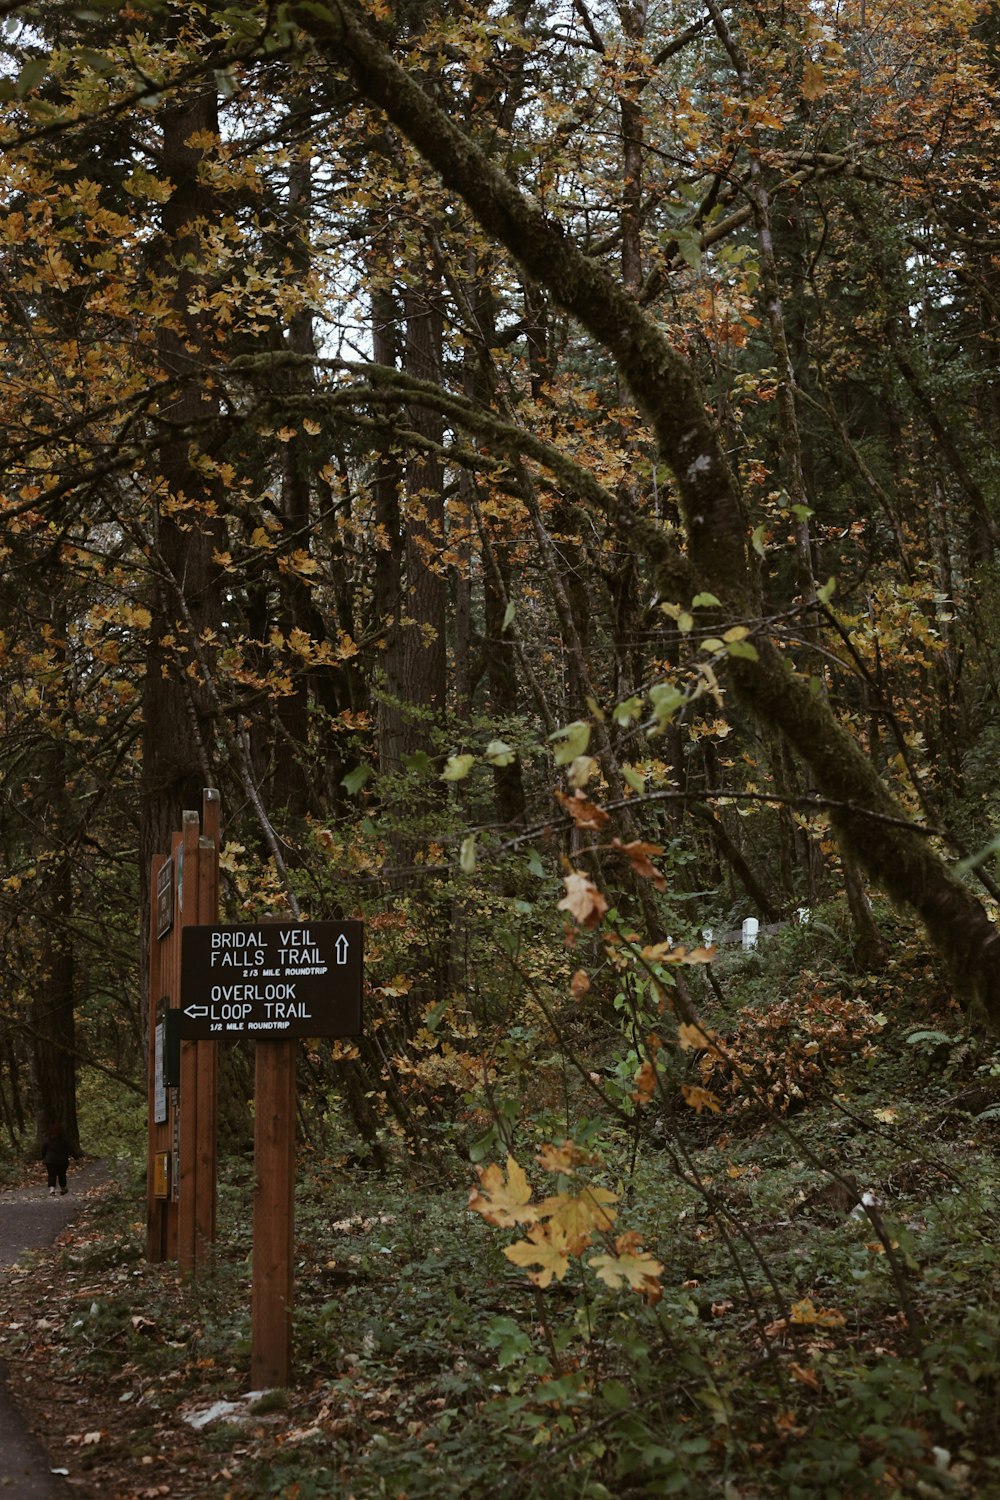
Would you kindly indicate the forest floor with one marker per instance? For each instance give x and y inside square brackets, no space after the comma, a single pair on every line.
[829,1325]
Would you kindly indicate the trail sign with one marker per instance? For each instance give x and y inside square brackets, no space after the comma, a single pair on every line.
[273,980]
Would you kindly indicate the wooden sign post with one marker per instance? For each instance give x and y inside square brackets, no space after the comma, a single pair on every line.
[183,1075]
[272,1295]
[275,981]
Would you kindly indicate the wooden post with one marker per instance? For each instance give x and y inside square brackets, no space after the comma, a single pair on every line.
[157,1137]
[207,1053]
[273,1214]
[183,1224]
[187,1238]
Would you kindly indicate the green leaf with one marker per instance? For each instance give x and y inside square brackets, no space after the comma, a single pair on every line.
[688,243]
[627,712]
[757,541]
[457,767]
[635,779]
[742,648]
[500,754]
[508,617]
[930,1038]
[802,512]
[432,1019]
[355,780]
[571,742]
[30,75]
[419,761]
[826,593]
[616,1395]
[467,856]
[535,865]
[665,700]
[706,601]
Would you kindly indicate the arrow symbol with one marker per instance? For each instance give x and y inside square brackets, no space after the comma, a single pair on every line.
[341,946]
[196,1010]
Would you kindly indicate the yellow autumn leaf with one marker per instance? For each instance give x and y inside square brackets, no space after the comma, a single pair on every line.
[546,1247]
[813,81]
[807,1315]
[629,1266]
[577,1215]
[501,1200]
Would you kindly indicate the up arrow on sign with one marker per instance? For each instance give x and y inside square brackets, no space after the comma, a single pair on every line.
[341,948]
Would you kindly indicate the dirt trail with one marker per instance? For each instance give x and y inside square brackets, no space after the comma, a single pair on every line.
[29,1220]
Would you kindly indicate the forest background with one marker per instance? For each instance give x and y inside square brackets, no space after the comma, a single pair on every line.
[537,461]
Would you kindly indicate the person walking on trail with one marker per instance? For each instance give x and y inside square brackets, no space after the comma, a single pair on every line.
[56,1153]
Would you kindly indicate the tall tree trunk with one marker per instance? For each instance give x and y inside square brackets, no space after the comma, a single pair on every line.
[186,527]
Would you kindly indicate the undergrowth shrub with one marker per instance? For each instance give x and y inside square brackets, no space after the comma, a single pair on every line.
[777,1058]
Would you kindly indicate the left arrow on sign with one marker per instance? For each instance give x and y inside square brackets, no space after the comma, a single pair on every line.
[196,1010]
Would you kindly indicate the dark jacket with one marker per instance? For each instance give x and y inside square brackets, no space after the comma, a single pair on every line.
[57,1151]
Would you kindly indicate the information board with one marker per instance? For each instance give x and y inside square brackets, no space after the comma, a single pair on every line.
[271,979]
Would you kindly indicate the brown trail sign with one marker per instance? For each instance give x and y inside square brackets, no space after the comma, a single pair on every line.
[273,981]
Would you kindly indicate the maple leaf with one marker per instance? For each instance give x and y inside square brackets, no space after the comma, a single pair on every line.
[578,1215]
[585,814]
[548,1248]
[692,1037]
[582,899]
[503,1201]
[699,1098]
[637,853]
[564,1158]
[813,81]
[630,1265]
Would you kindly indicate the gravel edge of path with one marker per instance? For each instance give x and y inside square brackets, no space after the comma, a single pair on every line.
[31,1220]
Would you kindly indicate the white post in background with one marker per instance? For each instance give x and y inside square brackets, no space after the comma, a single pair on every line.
[751,927]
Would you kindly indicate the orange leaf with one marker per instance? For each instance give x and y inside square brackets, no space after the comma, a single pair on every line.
[645,1084]
[699,1098]
[638,854]
[565,1158]
[691,1037]
[579,985]
[585,814]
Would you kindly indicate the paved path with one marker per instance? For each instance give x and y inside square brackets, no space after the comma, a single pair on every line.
[30,1219]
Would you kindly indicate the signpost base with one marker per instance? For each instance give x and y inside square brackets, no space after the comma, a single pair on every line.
[273,1214]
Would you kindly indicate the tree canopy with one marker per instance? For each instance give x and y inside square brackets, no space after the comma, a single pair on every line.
[534,458]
